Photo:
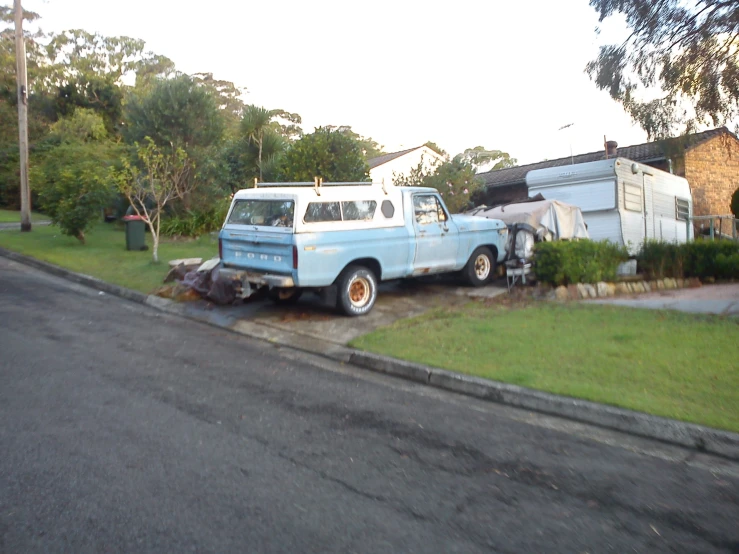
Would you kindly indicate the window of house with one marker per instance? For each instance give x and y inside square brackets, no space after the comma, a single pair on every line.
[682,209]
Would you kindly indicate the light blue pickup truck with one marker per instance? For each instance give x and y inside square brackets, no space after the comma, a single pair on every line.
[291,237]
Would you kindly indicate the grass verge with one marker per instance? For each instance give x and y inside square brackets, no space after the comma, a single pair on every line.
[671,364]
[105,255]
[12,216]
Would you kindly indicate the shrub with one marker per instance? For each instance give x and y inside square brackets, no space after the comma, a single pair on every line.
[583,261]
[194,223]
[717,259]
[658,259]
[73,187]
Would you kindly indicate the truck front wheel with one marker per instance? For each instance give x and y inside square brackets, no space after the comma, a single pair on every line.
[356,290]
[480,268]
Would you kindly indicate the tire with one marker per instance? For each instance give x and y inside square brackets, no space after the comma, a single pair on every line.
[284,296]
[356,290]
[480,268]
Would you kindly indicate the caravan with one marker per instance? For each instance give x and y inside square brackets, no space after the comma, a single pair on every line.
[621,200]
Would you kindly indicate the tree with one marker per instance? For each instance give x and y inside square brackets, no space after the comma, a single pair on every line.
[436,148]
[491,160]
[72,177]
[685,50]
[326,153]
[456,182]
[179,113]
[160,176]
[175,112]
[370,147]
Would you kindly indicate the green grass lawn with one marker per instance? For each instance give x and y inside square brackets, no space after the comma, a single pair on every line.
[671,364]
[105,255]
[12,216]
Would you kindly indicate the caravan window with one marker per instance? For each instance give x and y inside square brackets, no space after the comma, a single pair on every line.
[632,197]
[682,209]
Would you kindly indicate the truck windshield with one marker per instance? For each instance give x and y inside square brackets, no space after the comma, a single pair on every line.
[270,213]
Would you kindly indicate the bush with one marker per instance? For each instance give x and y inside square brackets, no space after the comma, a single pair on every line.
[658,260]
[73,187]
[717,259]
[194,223]
[583,261]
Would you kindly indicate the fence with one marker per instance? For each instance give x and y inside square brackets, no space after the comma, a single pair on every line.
[727,227]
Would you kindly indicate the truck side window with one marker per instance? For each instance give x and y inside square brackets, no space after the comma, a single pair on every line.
[359,210]
[322,211]
[427,209]
[388,210]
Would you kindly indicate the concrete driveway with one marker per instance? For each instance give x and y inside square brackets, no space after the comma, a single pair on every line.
[708,299]
[315,317]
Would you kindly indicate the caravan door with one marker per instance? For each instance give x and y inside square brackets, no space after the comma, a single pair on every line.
[648,206]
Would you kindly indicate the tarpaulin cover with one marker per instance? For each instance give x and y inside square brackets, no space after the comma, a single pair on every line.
[551,219]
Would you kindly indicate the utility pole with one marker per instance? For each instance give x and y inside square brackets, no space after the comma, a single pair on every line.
[20,60]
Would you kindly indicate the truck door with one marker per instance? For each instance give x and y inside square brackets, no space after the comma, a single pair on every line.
[437,238]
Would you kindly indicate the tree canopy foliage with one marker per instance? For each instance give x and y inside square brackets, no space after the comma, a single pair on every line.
[685,51]
[327,153]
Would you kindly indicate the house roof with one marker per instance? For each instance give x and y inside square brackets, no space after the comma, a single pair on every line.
[374,162]
[646,152]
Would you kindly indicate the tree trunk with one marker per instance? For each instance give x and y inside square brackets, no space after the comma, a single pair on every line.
[260,159]
[154,228]
[81,237]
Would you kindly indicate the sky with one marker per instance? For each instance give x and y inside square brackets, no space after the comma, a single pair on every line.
[499,74]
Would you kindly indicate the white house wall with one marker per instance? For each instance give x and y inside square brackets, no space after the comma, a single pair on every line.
[404,164]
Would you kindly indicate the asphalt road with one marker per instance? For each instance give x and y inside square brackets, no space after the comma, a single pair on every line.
[126,430]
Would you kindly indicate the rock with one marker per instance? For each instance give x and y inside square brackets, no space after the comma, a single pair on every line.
[610,289]
[660,284]
[581,292]
[590,291]
[647,286]
[694,283]
[602,289]
[680,283]
[669,283]
[622,288]
[561,294]
[637,287]
[194,262]
[176,273]
[573,292]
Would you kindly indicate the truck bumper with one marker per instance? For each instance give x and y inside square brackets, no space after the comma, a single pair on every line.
[252,281]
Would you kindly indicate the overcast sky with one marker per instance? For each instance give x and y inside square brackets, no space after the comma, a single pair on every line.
[504,75]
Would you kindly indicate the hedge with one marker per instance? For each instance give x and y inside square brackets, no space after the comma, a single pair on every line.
[582,261]
[718,259]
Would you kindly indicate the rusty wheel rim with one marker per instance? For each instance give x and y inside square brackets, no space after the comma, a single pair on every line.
[482,267]
[359,292]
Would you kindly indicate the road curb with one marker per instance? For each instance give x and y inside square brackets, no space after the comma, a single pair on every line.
[79,278]
[714,441]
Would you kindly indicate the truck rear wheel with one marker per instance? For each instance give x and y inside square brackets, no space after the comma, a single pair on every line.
[356,290]
[480,268]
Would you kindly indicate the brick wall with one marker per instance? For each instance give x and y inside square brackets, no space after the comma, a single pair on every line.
[712,169]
